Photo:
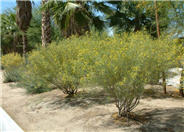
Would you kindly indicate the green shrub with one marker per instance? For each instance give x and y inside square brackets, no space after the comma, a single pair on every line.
[11,60]
[121,71]
[55,66]
[121,65]
[12,64]
[163,56]
[13,75]
[33,83]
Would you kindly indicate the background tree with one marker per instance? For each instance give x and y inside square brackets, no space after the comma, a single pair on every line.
[10,33]
[23,18]
[77,17]
[34,31]
[158,36]
[46,26]
[177,18]
[134,16]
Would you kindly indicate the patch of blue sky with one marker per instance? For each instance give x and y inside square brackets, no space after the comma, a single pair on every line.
[7,4]
[10,4]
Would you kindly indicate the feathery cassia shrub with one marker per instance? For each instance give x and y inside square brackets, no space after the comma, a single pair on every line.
[121,64]
[56,66]
[12,64]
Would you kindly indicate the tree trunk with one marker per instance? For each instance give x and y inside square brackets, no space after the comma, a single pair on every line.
[164,82]
[24,40]
[23,18]
[14,43]
[181,92]
[182,83]
[157,20]
[46,26]
[158,35]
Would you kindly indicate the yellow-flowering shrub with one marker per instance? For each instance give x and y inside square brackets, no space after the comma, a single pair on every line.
[120,69]
[12,63]
[164,54]
[55,66]
[11,60]
[30,79]
[121,64]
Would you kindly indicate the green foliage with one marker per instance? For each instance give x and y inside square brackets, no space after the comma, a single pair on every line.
[12,64]
[120,68]
[33,83]
[132,16]
[122,65]
[12,60]
[13,75]
[10,33]
[33,78]
[176,17]
[34,31]
[77,17]
[164,54]
[11,36]
[55,66]
[63,65]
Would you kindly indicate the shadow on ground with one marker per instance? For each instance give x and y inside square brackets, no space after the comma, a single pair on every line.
[85,99]
[158,120]
[156,92]
[55,100]
[167,120]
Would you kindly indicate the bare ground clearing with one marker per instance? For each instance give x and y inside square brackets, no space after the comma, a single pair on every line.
[52,112]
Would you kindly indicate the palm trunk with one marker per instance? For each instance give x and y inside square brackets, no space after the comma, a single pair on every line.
[23,18]
[46,26]
[24,38]
[14,43]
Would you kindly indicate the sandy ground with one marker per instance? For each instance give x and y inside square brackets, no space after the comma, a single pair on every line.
[52,112]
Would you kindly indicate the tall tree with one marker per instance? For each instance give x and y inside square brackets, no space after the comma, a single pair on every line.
[23,18]
[132,16]
[158,36]
[157,19]
[177,18]
[10,32]
[77,17]
[128,18]
[46,26]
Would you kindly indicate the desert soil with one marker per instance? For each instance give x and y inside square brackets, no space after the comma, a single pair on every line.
[53,112]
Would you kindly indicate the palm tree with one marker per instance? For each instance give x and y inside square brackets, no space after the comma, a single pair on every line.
[23,18]
[76,17]
[9,29]
[128,17]
[132,16]
[46,26]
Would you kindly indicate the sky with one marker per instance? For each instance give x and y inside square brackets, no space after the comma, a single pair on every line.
[8,4]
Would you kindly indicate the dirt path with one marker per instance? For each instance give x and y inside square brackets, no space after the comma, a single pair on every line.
[52,112]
